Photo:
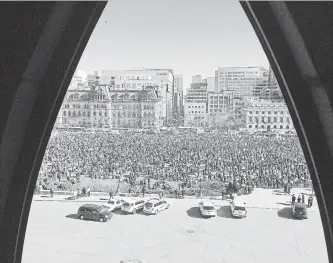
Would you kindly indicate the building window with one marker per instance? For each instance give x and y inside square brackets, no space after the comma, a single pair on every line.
[269,112]
[250,126]
[281,127]
[274,126]
[287,127]
[64,113]
[281,119]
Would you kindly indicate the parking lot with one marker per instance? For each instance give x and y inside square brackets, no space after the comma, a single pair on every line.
[177,235]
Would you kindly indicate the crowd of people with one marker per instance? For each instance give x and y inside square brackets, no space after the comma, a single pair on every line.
[272,162]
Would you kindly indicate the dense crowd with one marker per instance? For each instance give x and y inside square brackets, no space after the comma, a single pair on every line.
[188,158]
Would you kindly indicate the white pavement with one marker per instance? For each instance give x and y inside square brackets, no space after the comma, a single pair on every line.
[177,235]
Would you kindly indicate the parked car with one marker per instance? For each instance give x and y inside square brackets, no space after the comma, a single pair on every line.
[207,209]
[153,206]
[299,210]
[94,212]
[238,209]
[132,206]
[114,204]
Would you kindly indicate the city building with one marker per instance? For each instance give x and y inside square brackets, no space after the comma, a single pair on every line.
[138,79]
[178,95]
[210,83]
[241,80]
[197,93]
[197,79]
[195,106]
[267,116]
[267,88]
[220,107]
[195,114]
[136,108]
[86,106]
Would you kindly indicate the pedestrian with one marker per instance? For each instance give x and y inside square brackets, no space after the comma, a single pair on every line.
[111,194]
[88,191]
[51,192]
[299,198]
[293,199]
[310,200]
[41,189]
[143,192]
[303,199]
[84,191]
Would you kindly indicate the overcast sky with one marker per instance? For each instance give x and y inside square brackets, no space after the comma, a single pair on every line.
[191,36]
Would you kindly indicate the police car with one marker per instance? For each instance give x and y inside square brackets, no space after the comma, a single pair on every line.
[131,206]
[207,209]
[153,206]
[238,209]
[113,204]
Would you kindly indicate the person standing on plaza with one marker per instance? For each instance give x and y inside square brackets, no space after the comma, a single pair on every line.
[293,199]
[143,192]
[111,194]
[299,198]
[51,192]
[310,200]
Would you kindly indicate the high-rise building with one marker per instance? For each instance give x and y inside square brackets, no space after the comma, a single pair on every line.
[210,83]
[195,106]
[197,92]
[241,80]
[178,95]
[267,88]
[197,79]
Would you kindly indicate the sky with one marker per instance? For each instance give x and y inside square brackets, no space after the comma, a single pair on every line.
[193,37]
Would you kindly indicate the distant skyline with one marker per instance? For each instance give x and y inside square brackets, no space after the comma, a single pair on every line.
[193,37]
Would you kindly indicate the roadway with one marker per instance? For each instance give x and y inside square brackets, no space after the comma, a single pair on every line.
[177,235]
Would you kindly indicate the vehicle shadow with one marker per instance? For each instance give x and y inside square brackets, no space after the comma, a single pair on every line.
[224,211]
[118,212]
[194,212]
[284,203]
[72,216]
[285,213]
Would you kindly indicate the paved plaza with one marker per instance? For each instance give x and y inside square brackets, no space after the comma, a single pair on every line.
[177,235]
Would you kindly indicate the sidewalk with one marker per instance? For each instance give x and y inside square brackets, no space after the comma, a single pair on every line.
[260,198]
